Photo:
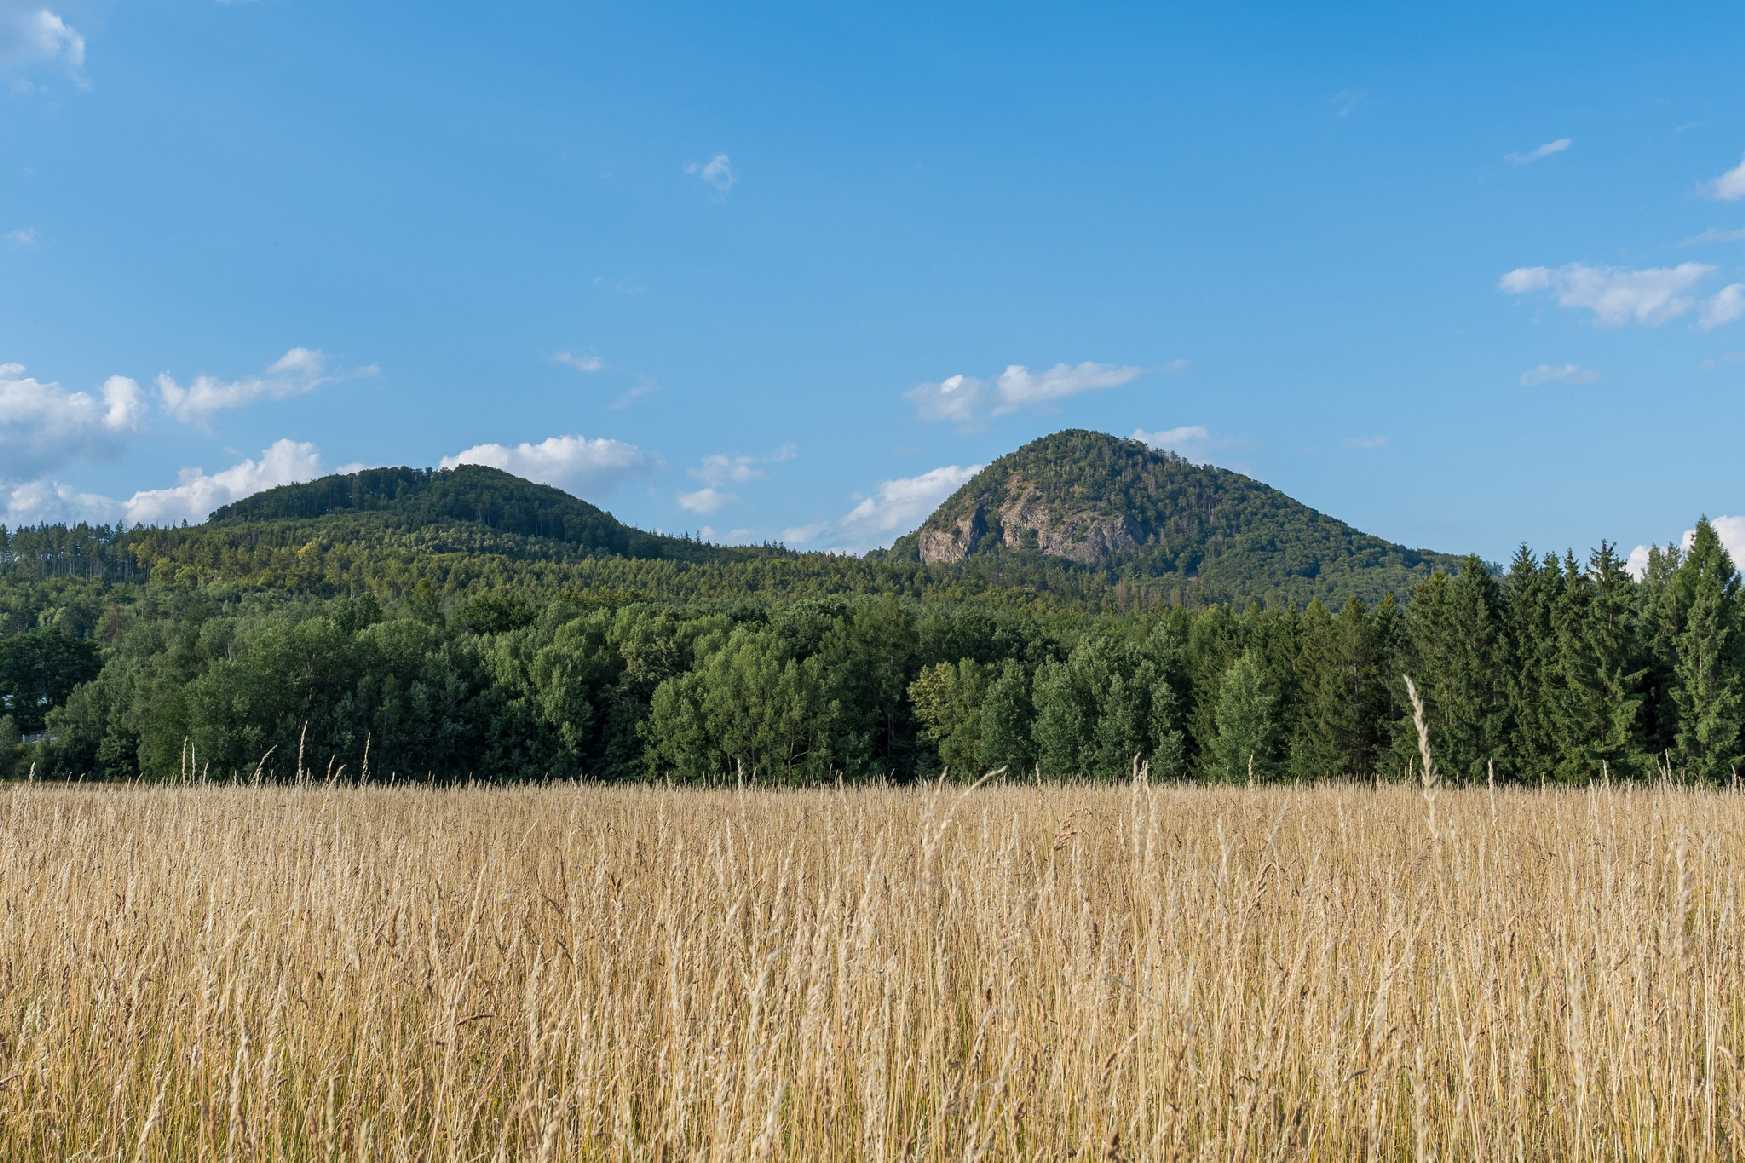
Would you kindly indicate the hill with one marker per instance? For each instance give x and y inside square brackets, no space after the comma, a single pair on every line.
[1119,506]
[474,495]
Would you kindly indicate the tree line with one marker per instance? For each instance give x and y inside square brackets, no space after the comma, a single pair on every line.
[796,670]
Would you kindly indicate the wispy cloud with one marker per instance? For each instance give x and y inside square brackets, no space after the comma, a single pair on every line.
[1616,295]
[584,363]
[1348,101]
[1558,373]
[720,468]
[965,400]
[705,500]
[38,38]
[1539,153]
[21,239]
[717,173]
[298,372]
[1730,186]
[1714,234]
[1726,307]
[1366,442]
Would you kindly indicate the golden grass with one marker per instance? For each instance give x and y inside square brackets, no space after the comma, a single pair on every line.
[1014,973]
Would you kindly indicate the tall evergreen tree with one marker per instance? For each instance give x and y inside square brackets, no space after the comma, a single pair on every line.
[1460,657]
[1707,680]
[1599,689]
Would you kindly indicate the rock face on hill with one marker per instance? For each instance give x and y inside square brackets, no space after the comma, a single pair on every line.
[1110,503]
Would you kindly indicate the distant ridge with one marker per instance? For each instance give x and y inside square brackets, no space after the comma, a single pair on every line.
[1118,505]
[471,494]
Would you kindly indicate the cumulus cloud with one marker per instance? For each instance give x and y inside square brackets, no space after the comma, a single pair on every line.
[1558,373]
[1616,295]
[33,38]
[895,507]
[299,371]
[584,363]
[573,463]
[1731,531]
[192,498]
[43,425]
[1730,186]
[717,173]
[196,494]
[964,399]
[1727,306]
[53,503]
[706,500]
[1539,153]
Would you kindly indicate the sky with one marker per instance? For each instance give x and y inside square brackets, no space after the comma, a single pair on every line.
[1465,276]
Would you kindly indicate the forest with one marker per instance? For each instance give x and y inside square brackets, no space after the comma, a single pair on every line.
[452,652]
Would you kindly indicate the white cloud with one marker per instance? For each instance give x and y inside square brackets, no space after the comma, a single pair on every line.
[21,239]
[573,463]
[1019,387]
[192,498]
[196,494]
[957,399]
[1539,153]
[1727,306]
[1731,531]
[895,507]
[962,399]
[53,503]
[717,173]
[38,37]
[299,371]
[1730,186]
[630,395]
[706,500]
[1714,234]
[583,363]
[1615,295]
[42,425]
[1558,373]
[719,468]
[1176,439]
[1366,442]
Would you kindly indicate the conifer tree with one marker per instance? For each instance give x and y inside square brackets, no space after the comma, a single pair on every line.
[1706,692]
[1597,696]
[1460,657]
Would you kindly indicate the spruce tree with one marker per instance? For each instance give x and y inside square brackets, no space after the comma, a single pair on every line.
[1596,700]
[1707,679]
[1460,657]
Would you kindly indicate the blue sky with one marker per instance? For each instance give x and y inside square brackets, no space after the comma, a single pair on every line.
[1463,277]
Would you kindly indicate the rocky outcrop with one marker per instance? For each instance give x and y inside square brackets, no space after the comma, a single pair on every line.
[1025,519]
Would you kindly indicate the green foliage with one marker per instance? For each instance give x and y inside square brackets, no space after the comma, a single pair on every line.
[1706,677]
[1170,530]
[1247,726]
[11,747]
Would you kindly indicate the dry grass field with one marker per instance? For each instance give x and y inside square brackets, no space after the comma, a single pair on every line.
[1010,973]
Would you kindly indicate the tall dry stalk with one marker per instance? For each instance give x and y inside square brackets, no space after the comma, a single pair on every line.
[1428,775]
[1144,972]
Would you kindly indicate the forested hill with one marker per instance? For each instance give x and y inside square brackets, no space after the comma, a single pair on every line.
[1123,507]
[419,498]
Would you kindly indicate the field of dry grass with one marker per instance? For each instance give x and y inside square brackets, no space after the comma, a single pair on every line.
[1013,973]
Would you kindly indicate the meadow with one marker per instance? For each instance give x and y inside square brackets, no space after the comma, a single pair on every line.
[1112,972]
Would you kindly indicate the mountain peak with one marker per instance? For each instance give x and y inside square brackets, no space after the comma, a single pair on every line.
[1114,503]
